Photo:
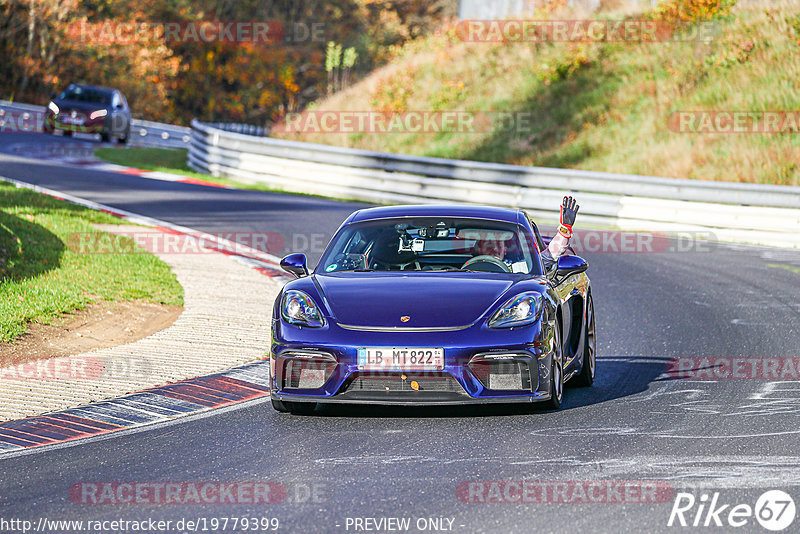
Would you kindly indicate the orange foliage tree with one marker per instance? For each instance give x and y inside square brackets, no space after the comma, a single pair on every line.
[49,43]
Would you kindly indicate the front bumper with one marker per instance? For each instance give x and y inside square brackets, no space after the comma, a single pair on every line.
[87,126]
[482,366]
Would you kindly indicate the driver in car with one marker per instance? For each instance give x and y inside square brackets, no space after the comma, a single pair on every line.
[558,245]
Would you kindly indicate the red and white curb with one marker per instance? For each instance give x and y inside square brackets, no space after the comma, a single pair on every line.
[153,175]
[148,407]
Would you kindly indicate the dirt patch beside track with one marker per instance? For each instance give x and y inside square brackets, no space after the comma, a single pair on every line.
[101,325]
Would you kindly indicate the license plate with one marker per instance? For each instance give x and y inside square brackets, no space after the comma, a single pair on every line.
[400,359]
[70,120]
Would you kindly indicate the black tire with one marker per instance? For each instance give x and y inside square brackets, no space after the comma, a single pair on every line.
[280,406]
[123,139]
[589,365]
[66,133]
[556,374]
[105,137]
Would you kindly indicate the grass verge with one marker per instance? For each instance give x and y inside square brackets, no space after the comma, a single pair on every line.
[41,278]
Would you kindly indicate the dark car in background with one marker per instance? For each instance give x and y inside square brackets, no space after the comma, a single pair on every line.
[89,109]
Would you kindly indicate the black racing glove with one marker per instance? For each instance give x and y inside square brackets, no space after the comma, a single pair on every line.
[569,210]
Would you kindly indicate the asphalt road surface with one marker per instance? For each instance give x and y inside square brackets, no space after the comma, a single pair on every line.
[734,437]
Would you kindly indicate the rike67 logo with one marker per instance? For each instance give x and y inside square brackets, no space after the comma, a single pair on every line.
[774,510]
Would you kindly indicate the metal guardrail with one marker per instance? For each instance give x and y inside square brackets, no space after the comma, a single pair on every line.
[27,117]
[237,127]
[765,214]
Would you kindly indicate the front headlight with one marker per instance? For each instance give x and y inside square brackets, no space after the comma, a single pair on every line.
[53,107]
[300,309]
[518,311]
[97,114]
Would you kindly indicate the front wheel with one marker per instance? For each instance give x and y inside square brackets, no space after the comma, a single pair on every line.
[105,137]
[556,374]
[586,376]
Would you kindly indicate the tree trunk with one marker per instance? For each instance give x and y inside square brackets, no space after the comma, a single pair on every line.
[29,46]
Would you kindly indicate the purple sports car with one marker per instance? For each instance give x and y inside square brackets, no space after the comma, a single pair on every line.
[433,305]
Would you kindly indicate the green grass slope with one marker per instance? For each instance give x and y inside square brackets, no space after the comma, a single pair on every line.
[602,106]
[43,277]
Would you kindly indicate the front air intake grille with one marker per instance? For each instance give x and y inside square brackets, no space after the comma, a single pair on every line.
[502,375]
[409,382]
[305,373]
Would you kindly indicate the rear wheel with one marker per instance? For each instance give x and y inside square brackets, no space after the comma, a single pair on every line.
[586,376]
[556,373]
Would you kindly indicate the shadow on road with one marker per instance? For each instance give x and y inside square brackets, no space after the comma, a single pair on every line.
[617,378]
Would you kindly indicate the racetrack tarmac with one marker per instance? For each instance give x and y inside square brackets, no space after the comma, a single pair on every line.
[737,437]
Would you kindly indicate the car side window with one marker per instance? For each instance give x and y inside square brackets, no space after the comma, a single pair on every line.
[115,100]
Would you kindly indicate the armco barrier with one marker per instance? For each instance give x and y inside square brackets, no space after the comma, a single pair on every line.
[750,213]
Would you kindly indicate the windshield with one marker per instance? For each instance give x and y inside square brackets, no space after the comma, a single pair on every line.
[86,94]
[432,244]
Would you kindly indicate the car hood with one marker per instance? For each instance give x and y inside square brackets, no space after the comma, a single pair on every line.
[72,105]
[430,300]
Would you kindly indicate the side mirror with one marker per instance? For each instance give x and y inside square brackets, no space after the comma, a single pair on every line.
[569,264]
[118,106]
[295,264]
